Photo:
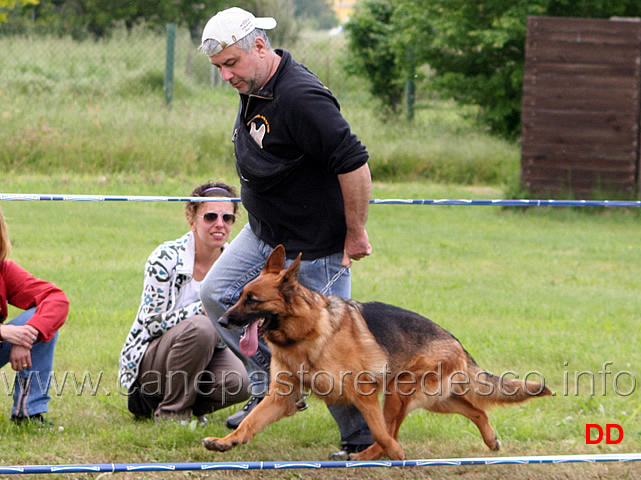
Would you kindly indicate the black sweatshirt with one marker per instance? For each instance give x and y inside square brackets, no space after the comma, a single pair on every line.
[290,186]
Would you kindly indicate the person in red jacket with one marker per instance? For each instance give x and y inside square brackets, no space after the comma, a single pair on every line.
[28,341]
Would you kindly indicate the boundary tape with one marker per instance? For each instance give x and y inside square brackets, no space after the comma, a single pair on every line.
[286,465]
[388,201]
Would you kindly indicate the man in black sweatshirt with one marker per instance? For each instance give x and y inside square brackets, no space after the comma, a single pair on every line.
[305,183]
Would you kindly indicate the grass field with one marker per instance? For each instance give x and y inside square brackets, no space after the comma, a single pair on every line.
[553,291]
[549,291]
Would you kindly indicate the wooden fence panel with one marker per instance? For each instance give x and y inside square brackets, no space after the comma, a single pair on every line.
[581,109]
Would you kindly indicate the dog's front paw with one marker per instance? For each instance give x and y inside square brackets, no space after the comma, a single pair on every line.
[217,444]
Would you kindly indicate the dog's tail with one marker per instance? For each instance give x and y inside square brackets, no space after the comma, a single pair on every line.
[487,389]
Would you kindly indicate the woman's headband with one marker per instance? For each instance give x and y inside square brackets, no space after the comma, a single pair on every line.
[210,189]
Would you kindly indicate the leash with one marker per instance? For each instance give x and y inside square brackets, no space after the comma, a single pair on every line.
[333,280]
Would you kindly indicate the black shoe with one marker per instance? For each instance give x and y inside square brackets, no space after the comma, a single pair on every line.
[346,449]
[301,404]
[36,419]
[234,420]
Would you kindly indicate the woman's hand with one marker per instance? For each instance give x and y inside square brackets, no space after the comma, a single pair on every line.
[22,335]
[22,338]
[20,358]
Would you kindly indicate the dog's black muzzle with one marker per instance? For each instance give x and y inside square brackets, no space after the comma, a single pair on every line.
[231,321]
[224,321]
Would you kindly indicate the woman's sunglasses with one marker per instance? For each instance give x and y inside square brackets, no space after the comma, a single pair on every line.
[211,217]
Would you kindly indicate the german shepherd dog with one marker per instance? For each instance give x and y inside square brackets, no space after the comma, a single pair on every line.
[344,351]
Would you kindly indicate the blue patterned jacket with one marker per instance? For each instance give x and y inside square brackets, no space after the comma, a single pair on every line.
[168,270]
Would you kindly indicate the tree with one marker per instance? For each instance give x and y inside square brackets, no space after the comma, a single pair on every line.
[98,17]
[370,43]
[476,48]
[7,5]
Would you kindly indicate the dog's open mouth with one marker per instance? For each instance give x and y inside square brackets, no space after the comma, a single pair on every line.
[249,340]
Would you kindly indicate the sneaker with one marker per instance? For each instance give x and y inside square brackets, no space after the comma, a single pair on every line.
[202,420]
[36,419]
[346,449]
[234,420]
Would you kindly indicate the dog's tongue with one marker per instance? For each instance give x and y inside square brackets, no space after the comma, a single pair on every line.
[249,342]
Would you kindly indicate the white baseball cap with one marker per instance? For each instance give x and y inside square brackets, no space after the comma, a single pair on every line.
[229,26]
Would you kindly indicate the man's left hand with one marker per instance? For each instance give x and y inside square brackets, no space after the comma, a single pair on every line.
[357,246]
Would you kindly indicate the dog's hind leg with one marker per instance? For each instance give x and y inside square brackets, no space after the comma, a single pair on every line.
[456,404]
[385,443]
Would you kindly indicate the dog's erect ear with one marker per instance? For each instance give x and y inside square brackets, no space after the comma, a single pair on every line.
[276,261]
[292,272]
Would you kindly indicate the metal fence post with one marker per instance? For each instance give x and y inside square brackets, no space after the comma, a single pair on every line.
[410,86]
[169,63]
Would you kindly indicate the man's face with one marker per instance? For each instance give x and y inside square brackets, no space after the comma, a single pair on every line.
[243,70]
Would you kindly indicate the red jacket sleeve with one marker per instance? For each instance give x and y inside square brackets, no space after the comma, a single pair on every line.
[24,291]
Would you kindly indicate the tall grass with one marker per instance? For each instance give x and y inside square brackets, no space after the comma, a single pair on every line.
[85,106]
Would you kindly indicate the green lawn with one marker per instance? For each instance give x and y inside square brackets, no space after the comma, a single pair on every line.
[547,290]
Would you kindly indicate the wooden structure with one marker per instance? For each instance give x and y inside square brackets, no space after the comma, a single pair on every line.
[581,108]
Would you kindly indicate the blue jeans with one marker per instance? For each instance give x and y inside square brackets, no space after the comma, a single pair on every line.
[31,391]
[240,263]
